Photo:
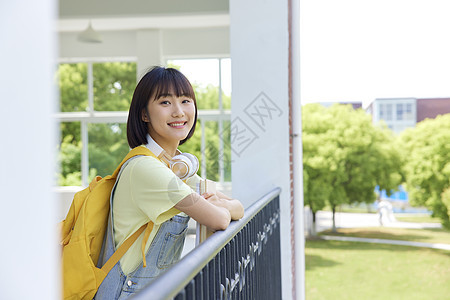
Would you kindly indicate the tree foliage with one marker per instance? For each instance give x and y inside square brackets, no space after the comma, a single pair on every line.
[345,157]
[427,165]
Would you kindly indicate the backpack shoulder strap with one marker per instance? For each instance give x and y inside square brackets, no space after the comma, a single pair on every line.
[117,255]
[140,150]
[112,261]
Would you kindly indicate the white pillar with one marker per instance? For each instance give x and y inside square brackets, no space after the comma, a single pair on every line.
[29,251]
[259,39]
[149,50]
[299,214]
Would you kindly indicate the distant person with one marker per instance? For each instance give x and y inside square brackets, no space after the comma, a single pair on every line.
[385,211]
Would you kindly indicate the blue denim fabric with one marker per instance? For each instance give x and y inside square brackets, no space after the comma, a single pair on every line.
[164,251]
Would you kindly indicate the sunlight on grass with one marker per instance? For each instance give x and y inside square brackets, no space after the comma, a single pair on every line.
[345,270]
[417,218]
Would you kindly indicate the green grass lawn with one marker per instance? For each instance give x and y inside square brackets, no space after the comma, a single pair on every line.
[346,270]
[417,218]
[431,235]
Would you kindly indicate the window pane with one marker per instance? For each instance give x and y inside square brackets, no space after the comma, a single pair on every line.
[73,89]
[226,83]
[225,136]
[399,111]
[388,112]
[69,156]
[107,147]
[408,113]
[204,77]
[114,83]
[212,150]
[382,112]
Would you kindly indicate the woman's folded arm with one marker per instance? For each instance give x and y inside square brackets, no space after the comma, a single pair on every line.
[212,215]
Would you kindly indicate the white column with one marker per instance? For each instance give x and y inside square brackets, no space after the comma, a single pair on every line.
[259,39]
[299,214]
[29,251]
[149,50]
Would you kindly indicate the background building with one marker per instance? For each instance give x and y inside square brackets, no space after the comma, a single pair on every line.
[401,113]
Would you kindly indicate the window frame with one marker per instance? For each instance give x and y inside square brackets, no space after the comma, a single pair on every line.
[91,116]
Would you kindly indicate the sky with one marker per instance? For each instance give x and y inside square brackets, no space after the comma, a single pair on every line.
[360,50]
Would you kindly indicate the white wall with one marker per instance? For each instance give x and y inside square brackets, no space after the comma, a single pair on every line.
[115,44]
[29,248]
[259,56]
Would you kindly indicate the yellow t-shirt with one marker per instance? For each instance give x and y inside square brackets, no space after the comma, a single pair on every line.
[147,190]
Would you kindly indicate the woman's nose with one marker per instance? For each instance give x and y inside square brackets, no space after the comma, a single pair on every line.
[177,111]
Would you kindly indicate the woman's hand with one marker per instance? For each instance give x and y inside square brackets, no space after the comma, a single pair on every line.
[232,205]
[213,216]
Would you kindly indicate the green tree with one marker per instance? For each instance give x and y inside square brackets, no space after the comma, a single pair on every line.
[346,157]
[427,165]
[114,84]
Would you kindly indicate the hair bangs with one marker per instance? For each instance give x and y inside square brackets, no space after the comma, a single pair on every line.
[175,83]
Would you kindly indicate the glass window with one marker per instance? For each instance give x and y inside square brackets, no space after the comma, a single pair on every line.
[114,84]
[73,87]
[88,146]
[107,147]
[382,112]
[69,154]
[408,112]
[388,112]
[399,110]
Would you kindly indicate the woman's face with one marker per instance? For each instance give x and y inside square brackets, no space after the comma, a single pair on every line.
[170,119]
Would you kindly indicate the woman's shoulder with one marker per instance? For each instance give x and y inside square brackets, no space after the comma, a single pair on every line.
[145,163]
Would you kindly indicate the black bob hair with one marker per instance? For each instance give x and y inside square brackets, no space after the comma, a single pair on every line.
[156,82]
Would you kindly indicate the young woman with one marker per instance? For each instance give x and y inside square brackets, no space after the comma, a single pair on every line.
[162,116]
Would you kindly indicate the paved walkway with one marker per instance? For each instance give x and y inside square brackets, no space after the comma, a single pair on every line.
[355,220]
[383,241]
[324,221]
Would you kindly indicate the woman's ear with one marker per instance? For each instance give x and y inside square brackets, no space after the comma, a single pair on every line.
[144,115]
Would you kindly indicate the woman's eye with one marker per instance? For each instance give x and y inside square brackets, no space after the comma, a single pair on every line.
[187,101]
[165,102]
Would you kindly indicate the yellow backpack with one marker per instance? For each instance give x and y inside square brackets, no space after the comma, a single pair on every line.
[83,232]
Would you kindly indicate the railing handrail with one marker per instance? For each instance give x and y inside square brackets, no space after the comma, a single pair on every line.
[179,275]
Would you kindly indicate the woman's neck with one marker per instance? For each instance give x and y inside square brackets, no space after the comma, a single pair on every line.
[169,148]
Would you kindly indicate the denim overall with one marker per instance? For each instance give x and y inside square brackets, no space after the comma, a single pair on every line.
[164,251]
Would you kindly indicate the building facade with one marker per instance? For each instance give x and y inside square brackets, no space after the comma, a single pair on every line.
[402,113]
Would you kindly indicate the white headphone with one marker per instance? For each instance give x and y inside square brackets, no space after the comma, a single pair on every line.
[184,165]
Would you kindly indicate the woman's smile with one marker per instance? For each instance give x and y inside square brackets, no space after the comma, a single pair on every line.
[178,124]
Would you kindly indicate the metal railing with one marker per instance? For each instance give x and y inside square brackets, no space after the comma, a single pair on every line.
[242,262]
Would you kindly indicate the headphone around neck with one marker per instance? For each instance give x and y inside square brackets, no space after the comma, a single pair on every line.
[184,165]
